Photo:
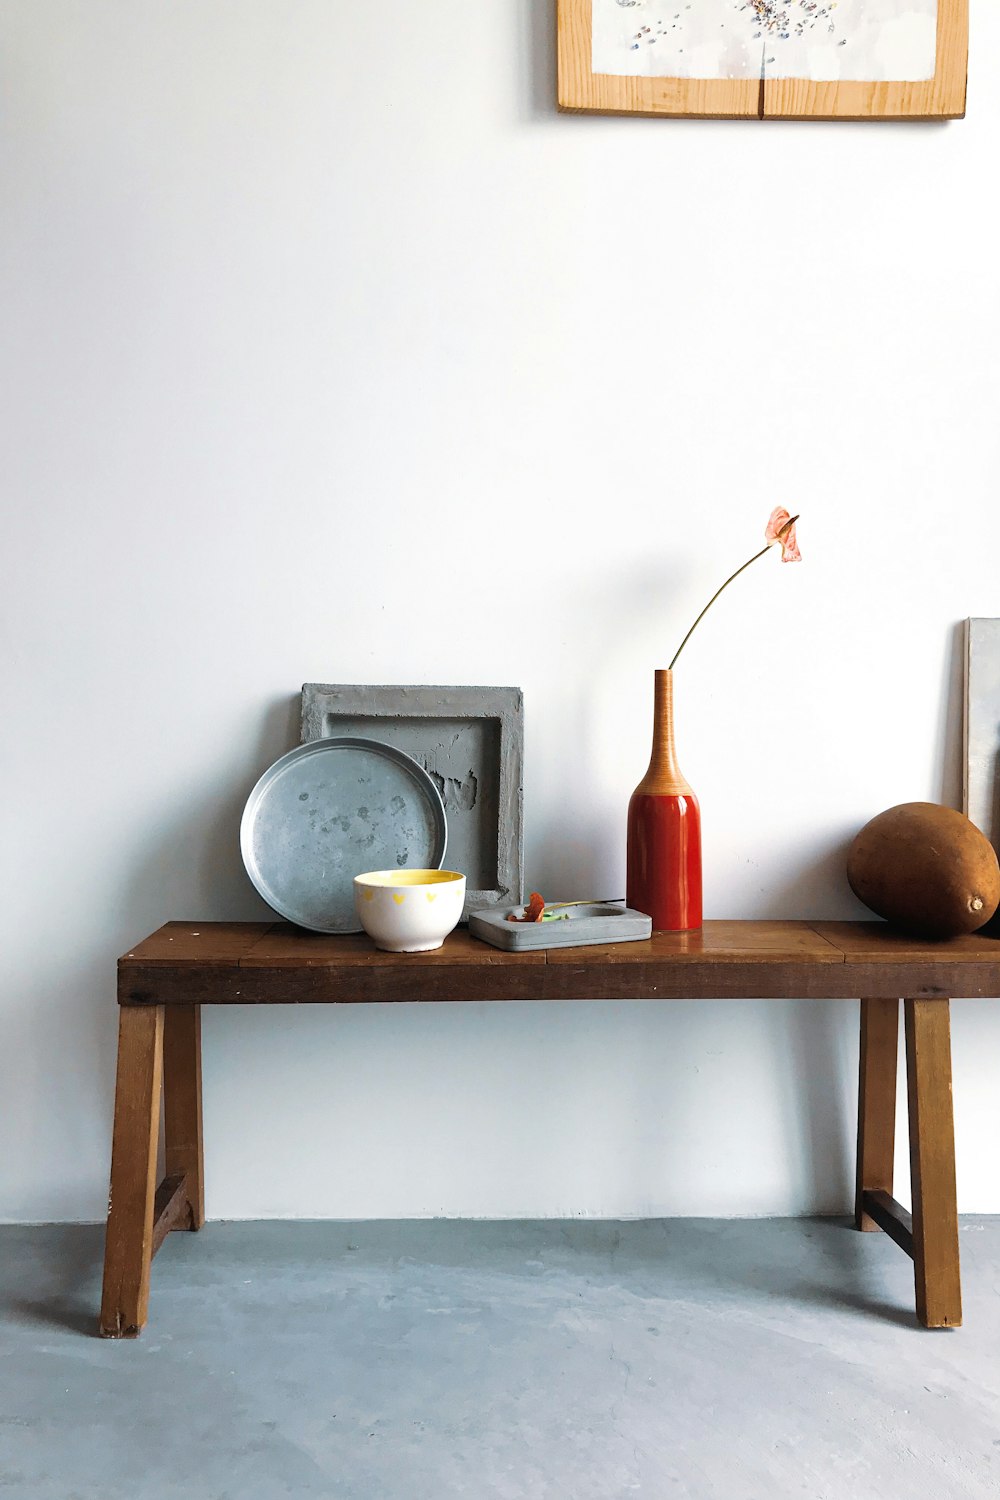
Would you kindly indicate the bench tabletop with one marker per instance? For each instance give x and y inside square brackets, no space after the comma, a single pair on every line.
[276,963]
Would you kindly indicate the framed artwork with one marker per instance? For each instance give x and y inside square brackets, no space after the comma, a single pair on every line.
[982,726]
[470,740]
[765,59]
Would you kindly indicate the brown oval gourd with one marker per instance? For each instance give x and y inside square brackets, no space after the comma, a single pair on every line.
[926,869]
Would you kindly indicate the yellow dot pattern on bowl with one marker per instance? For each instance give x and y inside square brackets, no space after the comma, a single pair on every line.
[432,895]
[399,897]
[369,895]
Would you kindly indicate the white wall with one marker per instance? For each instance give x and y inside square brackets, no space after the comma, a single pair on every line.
[332,352]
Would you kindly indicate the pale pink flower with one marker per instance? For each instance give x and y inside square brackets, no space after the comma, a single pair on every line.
[781,528]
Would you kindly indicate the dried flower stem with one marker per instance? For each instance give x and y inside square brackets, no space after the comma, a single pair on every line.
[786,528]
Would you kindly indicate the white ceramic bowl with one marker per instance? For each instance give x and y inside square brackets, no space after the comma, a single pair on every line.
[409,911]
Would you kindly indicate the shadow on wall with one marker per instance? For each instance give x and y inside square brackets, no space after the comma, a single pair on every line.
[949,774]
[196,864]
[575,849]
[813,1044]
[814,1048]
[815,1057]
[180,860]
[536,49]
[952,751]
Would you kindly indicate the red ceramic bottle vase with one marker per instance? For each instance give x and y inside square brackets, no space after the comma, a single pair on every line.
[663,876]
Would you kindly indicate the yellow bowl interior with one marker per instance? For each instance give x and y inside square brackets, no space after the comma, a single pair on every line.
[408,877]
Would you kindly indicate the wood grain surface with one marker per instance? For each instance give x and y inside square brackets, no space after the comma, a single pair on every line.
[182,1123]
[171,1209]
[581,90]
[940,97]
[883,1211]
[876,1103]
[878,943]
[664,777]
[285,946]
[129,1240]
[932,1163]
[219,944]
[164,979]
[255,964]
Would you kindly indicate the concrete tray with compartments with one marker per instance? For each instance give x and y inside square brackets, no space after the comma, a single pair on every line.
[579,928]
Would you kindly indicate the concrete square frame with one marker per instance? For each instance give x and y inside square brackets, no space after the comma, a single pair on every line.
[471,742]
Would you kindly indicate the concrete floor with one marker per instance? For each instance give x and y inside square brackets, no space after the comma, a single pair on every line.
[722,1360]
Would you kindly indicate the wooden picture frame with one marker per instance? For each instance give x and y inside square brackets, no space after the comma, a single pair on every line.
[940,96]
[471,742]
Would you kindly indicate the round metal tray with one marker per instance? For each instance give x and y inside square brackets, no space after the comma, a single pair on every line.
[330,810]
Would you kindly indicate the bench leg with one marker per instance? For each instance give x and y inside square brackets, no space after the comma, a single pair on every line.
[128,1248]
[182,1107]
[876,1102]
[932,1163]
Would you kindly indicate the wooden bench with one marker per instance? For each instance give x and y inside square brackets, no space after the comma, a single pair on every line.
[164,981]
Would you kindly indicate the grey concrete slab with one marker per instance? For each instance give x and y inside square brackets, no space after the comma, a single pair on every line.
[718,1360]
[981,780]
[470,741]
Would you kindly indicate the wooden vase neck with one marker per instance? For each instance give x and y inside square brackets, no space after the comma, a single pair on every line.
[663,777]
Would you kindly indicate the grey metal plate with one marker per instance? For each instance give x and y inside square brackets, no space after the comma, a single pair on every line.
[582,928]
[330,810]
